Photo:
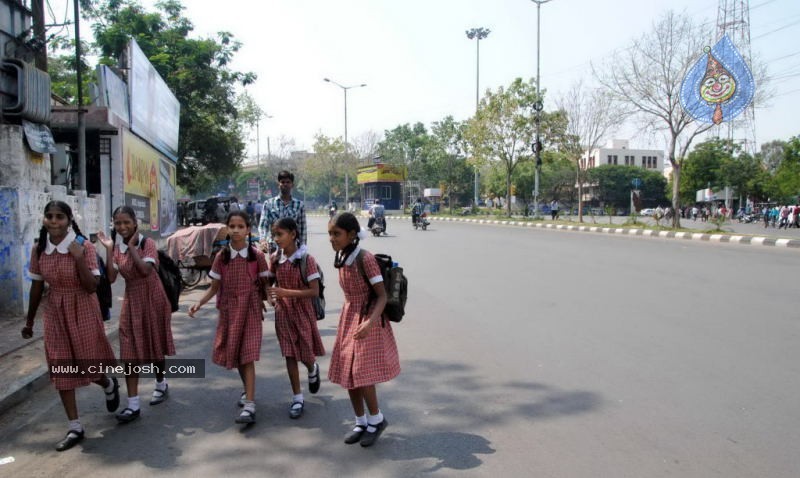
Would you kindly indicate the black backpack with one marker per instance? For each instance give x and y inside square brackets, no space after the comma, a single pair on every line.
[394,281]
[103,290]
[170,275]
[319,301]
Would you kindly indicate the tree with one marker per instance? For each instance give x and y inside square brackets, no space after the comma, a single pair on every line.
[448,160]
[614,185]
[701,168]
[592,117]
[196,70]
[406,145]
[646,78]
[787,177]
[324,171]
[771,154]
[503,128]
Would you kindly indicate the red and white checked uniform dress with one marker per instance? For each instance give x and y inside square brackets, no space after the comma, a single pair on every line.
[145,322]
[295,318]
[238,339]
[373,359]
[73,327]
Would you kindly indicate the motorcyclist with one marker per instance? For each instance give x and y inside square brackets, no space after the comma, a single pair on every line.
[416,211]
[333,208]
[377,212]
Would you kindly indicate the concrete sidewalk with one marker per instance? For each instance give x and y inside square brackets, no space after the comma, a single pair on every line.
[23,368]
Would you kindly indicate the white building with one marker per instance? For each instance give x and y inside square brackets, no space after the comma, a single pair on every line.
[617,152]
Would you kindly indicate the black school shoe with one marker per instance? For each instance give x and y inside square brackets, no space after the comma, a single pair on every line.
[354,435]
[128,415]
[112,398]
[369,438]
[70,440]
[313,387]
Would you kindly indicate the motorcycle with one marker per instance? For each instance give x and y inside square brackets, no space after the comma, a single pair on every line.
[332,211]
[422,221]
[377,226]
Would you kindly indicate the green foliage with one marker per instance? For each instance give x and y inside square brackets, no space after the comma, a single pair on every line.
[787,176]
[408,146]
[503,128]
[448,164]
[197,72]
[324,171]
[613,185]
[701,167]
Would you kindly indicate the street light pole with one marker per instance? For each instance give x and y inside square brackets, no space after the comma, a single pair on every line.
[258,149]
[478,34]
[539,106]
[346,172]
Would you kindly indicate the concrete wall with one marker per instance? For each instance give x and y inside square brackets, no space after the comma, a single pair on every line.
[24,191]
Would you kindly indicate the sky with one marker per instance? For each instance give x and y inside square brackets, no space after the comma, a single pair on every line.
[418,64]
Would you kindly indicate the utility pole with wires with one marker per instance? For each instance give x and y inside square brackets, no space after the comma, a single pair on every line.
[733,19]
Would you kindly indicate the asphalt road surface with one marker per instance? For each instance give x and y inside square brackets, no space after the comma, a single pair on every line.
[525,352]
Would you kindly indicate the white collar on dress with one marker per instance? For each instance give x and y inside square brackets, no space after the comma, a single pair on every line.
[298,254]
[123,248]
[63,246]
[352,257]
[239,252]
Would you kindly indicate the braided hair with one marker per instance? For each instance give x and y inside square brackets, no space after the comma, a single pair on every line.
[123,210]
[64,208]
[226,251]
[348,222]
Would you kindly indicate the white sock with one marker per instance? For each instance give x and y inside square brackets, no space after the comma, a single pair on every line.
[362,420]
[75,426]
[110,387]
[375,419]
[162,385]
[298,398]
[249,406]
[133,403]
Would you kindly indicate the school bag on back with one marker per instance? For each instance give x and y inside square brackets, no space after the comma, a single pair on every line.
[319,300]
[395,282]
[170,276]
[103,290]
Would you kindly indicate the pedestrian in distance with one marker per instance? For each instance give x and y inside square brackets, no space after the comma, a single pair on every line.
[238,279]
[251,211]
[416,211]
[365,351]
[145,321]
[282,205]
[295,317]
[75,341]
[554,209]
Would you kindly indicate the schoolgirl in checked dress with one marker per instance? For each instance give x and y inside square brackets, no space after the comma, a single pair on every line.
[237,274]
[295,317]
[365,351]
[74,334]
[145,321]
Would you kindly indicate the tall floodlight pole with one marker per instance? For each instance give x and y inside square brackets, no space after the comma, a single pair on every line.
[81,119]
[346,172]
[477,34]
[258,148]
[537,146]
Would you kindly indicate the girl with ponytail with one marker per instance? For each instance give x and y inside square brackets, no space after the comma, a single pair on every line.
[75,341]
[365,352]
[145,331]
[238,277]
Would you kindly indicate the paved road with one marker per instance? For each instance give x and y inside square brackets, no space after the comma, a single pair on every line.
[525,352]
